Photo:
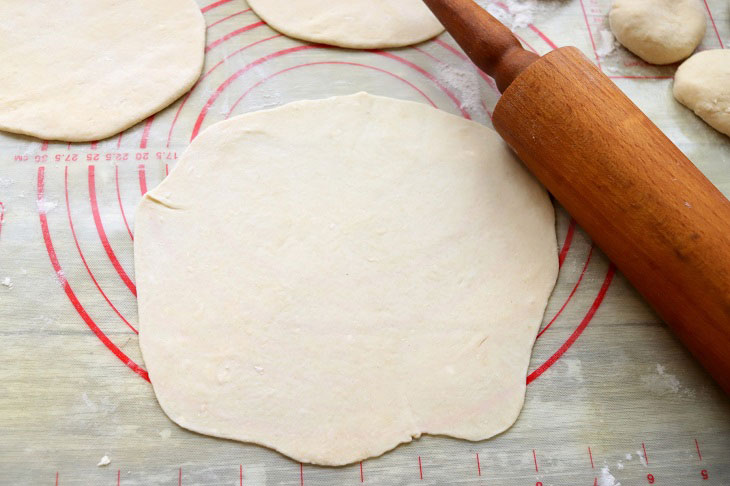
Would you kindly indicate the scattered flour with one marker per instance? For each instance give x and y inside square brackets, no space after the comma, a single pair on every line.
[60,278]
[88,402]
[518,14]
[574,369]
[628,456]
[466,83]
[642,458]
[105,461]
[46,322]
[165,434]
[663,383]
[45,206]
[670,380]
[606,43]
[607,478]
[7,283]
[620,465]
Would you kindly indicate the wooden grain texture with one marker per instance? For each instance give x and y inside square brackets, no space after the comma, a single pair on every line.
[643,202]
[485,40]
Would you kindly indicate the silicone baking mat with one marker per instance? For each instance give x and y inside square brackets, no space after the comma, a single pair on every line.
[612,396]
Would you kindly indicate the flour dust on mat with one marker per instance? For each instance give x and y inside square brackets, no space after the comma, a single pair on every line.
[82,70]
[357,24]
[333,278]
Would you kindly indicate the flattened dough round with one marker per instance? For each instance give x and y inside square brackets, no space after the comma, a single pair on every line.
[82,70]
[658,31]
[333,278]
[702,84]
[357,24]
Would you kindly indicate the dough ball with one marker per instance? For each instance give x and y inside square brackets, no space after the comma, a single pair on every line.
[333,278]
[357,24]
[702,84]
[658,31]
[83,70]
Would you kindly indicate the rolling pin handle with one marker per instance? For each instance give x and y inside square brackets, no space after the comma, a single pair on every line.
[489,44]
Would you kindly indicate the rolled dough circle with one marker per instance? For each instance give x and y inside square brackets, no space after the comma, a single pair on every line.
[84,70]
[333,278]
[702,84]
[658,31]
[357,24]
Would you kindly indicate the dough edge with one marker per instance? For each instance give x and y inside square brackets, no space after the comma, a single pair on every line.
[155,198]
[344,43]
[625,17]
[95,134]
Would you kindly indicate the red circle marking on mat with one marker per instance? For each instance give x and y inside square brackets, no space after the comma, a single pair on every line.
[2,216]
[214,5]
[578,330]
[146,131]
[102,235]
[261,60]
[525,43]
[212,45]
[236,32]
[227,18]
[61,276]
[298,66]
[208,47]
[450,48]
[83,259]
[487,79]
[566,246]
[142,179]
[464,57]
[572,293]
[117,352]
[219,63]
[236,75]
[121,206]
[428,75]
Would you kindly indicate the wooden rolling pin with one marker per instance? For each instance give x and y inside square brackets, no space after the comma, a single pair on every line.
[663,224]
